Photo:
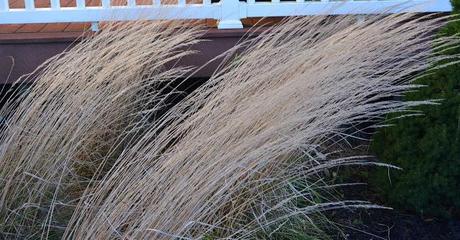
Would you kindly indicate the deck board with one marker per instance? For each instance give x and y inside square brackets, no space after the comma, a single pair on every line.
[77,27]
[30,28]
[9,28]
[55,27]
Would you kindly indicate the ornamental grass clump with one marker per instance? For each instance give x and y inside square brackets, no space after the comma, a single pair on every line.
[84,107]
[242,156]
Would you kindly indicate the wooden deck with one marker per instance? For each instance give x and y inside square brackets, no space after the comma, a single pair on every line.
[25,46]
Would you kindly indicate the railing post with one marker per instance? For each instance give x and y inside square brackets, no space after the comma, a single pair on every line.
[230,14]
[95,26]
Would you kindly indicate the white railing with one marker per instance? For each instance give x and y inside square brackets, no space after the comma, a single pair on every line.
[228,12]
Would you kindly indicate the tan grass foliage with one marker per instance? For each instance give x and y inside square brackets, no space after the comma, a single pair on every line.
[225,161]
[85,106]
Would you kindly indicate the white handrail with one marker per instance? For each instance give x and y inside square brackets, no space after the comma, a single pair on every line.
[228,12]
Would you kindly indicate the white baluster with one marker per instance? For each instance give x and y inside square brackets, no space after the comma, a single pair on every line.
[158,2]
[131,3]
[105,3]
[275,1]
[4,6]
[206,2]
[251,1]
[181,2]
[55,4]
[29,4]
[81,3]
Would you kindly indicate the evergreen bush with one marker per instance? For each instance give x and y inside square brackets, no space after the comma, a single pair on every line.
[427,147]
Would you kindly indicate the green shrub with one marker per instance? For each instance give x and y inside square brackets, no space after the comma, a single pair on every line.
[426,147]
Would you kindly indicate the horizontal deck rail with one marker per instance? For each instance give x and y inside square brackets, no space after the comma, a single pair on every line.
[228,12]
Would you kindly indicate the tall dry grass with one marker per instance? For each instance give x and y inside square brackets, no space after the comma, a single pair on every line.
[233,160]
[84,108]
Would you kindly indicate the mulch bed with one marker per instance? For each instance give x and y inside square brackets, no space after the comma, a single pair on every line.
[367,224]
[390,224]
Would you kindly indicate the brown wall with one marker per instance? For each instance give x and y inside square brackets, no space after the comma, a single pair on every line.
[22,53]
[17,59]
